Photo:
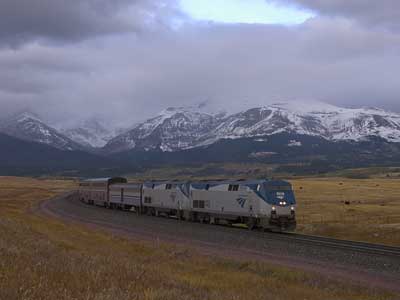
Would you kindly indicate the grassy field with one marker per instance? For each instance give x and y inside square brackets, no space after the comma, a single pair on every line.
[357,209]
[45,259]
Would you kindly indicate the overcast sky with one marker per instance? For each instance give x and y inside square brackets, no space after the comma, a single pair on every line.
[126,60]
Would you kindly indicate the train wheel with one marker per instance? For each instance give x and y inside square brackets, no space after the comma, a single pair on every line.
[193,217]
[137,210]
[251,224]
[206,219]
[203,219]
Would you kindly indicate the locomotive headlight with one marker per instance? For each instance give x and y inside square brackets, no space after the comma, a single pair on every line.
[292,208]
[273,208]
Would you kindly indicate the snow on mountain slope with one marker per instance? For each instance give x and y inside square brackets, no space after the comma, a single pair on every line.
[28,126]
[91,133]
[173,129]
[189,127]
[347,123]
[183,128]
[316,119]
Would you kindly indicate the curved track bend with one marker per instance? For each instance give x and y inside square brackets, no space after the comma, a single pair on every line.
[362,263]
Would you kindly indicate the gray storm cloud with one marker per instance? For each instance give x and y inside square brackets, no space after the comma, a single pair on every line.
[22,21]
[381,13]
[142,62]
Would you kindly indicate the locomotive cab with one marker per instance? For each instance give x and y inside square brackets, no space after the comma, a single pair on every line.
[281,198]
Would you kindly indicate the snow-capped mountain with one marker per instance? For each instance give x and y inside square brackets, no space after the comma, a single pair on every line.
[313,118]
[173,129]
[184,128]
[91,133]
[28,126]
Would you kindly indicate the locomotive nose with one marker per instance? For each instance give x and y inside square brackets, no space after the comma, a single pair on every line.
[283,217]
[282,210]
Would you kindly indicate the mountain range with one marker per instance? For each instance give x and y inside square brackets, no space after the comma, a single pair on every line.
[276,133]
[184,128]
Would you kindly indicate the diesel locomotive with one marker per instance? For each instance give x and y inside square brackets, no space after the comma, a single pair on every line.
[266,204]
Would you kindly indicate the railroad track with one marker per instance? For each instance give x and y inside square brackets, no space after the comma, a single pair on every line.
[376,249]
[353,246]
[362,263]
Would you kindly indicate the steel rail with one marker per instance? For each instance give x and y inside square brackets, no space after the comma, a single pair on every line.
[376,249]
[357,246]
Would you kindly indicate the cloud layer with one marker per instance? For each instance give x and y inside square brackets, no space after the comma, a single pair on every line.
[382,13]
[22,21]
[126,60]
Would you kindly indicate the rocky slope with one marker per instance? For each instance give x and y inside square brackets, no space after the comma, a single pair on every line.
[29,127]
[91,133]
[172,130]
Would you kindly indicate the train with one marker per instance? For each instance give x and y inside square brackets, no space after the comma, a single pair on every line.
[262,203]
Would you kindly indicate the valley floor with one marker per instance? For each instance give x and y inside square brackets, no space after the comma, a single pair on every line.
[355,209]
[42,258]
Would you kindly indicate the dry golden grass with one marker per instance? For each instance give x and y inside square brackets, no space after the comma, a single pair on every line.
[372,212]
[43,258]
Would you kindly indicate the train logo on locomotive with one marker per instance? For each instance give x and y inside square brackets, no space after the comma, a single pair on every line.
[241,201]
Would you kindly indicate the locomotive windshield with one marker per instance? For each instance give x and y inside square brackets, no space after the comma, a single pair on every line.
[278,192]
[280,188]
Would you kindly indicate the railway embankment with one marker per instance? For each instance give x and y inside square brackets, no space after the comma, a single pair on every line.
[360,263]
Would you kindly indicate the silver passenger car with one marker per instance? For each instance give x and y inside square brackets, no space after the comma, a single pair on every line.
[96,191]
[126,196]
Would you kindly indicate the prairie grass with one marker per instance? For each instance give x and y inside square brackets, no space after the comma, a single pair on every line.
[357,209]
[42,258]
